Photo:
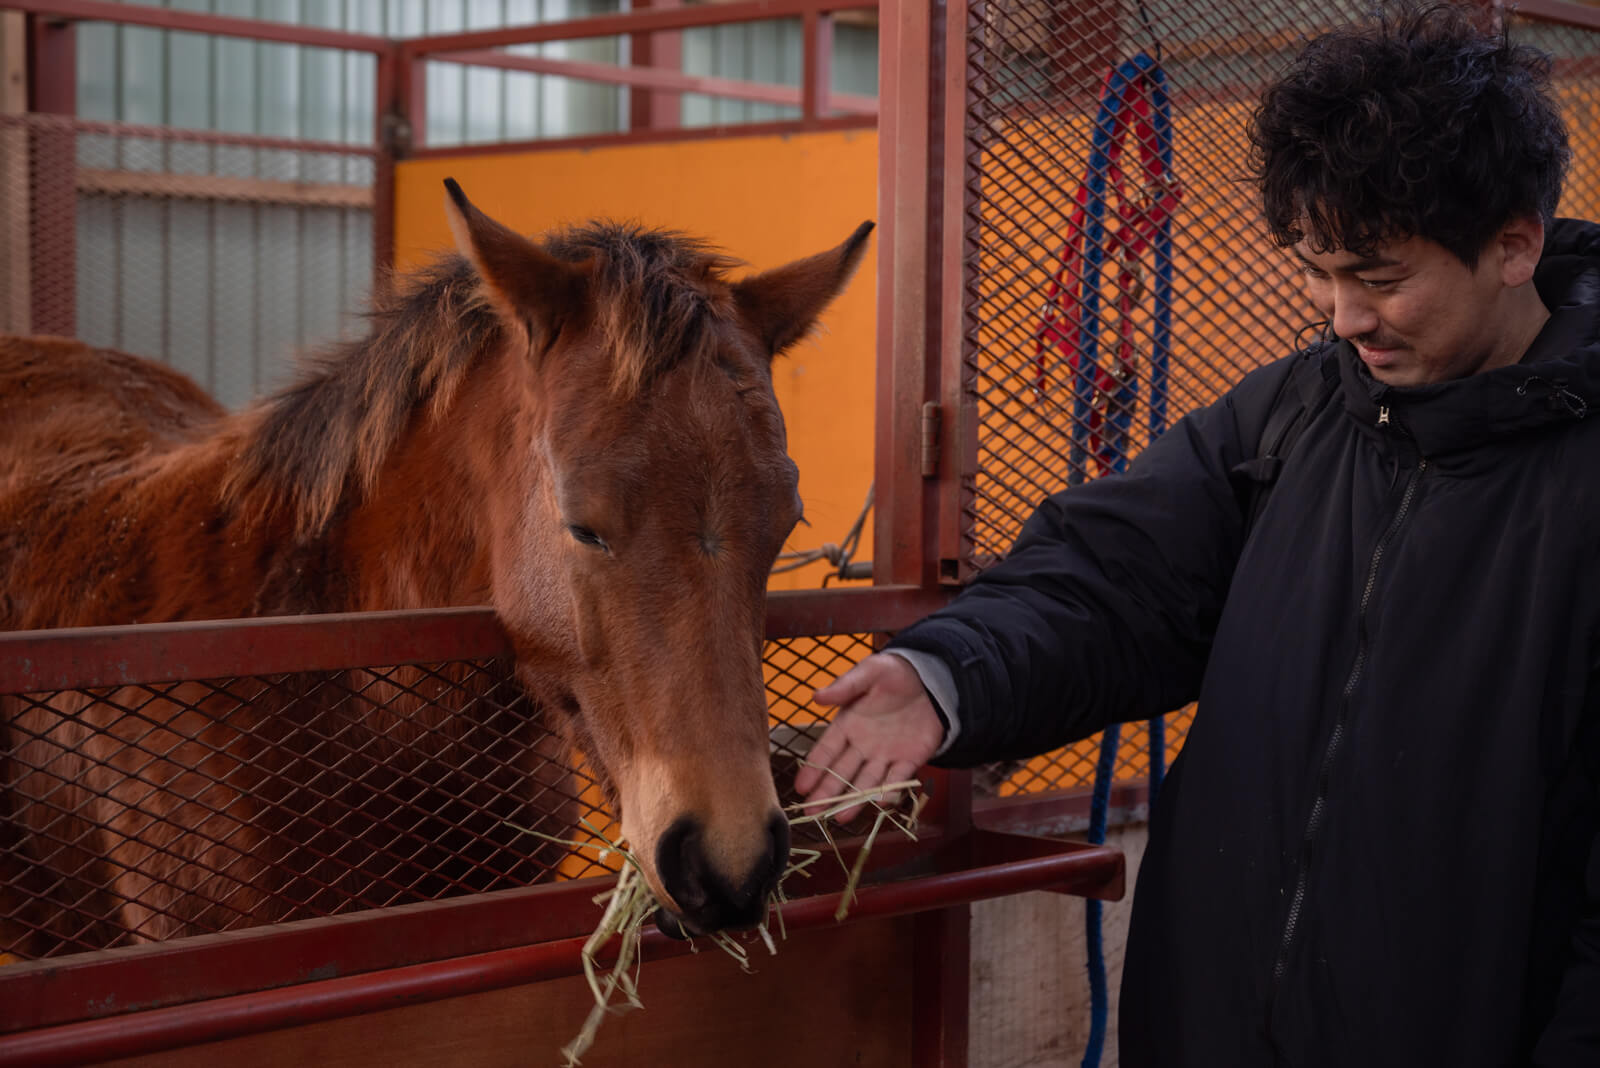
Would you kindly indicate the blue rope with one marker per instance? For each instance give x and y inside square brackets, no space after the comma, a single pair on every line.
[1160,359]
[1099,814]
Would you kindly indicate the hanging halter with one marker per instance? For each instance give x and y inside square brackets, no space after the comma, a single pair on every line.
[1133,99]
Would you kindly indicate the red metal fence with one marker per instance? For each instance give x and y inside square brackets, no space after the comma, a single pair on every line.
[253,749]
[461,764]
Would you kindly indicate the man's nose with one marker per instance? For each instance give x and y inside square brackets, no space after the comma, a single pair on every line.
[1352,314]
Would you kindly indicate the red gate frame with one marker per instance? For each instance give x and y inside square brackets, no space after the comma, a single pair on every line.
[147,999]
[171,995]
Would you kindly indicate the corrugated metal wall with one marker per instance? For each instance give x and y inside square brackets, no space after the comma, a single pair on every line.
[771,52]
[225,288]
[230,283]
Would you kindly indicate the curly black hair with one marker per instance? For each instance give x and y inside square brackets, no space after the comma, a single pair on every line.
[1413,125]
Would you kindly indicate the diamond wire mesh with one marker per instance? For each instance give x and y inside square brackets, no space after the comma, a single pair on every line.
[1035,70]
[1576,78]
[140,813]
[221,255]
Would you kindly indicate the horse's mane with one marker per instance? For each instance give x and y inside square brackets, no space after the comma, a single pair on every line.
[321,443]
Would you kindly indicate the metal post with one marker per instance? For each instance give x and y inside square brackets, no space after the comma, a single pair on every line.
[15,304]
[52,177]
[655,109]
[817,57]
[907,371]
[391,138]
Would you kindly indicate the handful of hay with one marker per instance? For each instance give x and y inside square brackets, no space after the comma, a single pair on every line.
[629,904]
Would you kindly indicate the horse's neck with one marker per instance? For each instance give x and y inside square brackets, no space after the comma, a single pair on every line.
[421,538]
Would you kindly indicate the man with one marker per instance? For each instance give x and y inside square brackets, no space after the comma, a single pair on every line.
[1378,846]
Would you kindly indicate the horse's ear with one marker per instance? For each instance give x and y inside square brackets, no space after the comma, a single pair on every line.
[528,287]
[783,303]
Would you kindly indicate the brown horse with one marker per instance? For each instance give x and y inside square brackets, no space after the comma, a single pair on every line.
[580,432]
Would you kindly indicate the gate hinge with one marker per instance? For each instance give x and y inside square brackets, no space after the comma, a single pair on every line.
[930,439]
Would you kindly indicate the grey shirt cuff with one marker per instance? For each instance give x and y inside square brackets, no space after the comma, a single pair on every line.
[941,686]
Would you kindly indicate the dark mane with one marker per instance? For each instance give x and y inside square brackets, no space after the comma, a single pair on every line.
[328,435]
[325,439]
[654,292]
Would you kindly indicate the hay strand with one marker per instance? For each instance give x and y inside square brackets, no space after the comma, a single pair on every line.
[629,904]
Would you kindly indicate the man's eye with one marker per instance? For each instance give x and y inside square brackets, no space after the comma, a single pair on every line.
[585,536]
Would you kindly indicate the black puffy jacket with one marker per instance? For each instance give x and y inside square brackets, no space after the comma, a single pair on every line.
[1378,845]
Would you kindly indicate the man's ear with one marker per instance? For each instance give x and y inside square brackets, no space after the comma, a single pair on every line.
[782,304]
[1520,244]
[528,287]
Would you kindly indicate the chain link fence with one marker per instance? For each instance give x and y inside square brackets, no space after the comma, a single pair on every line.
[1117,271]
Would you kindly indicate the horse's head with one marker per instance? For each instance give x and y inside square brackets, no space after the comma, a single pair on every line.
[630,565]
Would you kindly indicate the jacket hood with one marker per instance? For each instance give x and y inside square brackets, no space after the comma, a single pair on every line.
[1557,381]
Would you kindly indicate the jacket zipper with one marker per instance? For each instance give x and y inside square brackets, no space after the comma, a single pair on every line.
[1336,738]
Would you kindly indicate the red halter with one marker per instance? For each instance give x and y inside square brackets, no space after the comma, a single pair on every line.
[1140,210]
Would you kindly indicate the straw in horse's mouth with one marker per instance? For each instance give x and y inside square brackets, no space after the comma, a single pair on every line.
[630,904]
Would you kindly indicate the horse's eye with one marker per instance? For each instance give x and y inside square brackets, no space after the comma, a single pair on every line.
[586,536]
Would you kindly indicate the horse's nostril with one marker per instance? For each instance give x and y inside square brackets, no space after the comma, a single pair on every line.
[681,863]
[778,831]
[669,925]
[707,899]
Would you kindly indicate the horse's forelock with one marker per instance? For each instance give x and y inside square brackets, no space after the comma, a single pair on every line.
[655,292]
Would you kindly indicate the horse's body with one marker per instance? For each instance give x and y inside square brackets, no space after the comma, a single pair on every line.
[581,434]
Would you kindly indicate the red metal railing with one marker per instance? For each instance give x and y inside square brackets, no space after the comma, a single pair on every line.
[399,127]
[1006,864]
[148,998]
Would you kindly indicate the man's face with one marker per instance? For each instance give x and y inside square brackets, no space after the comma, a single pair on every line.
[1417,314]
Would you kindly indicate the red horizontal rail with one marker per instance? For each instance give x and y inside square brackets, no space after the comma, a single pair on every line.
[849,610]
[1557,11]
[649,20]
[648,137]
[83,657]
[37,120]
[194,22]
[86,986]
[1061,811]
[1096,870]
[656,78]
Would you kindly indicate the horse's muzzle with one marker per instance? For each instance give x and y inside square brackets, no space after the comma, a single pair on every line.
[709,900]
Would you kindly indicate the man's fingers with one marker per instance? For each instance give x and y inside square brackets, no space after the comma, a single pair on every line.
[846,688]
[901,771]
[844,771]
[870,777]
[876,774]
[812,777]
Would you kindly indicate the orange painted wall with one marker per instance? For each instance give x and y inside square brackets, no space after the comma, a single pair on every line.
[766,200]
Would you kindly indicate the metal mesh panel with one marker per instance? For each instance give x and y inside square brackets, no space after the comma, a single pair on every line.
[1038,92]
[796,668]
[222,255]
[1576,78]
[1037,72]
[146,812]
